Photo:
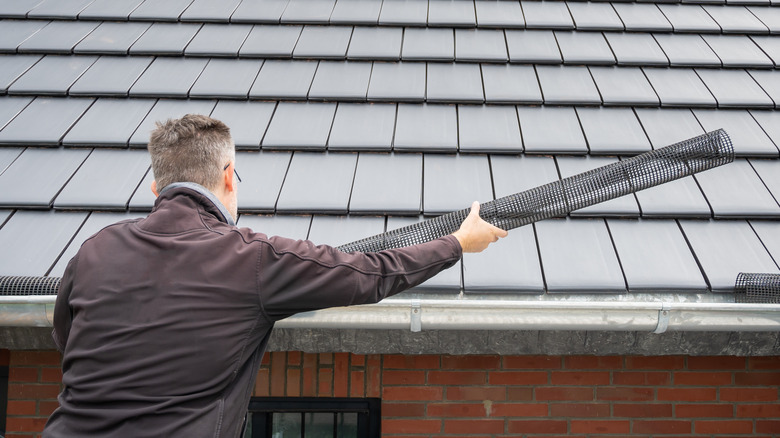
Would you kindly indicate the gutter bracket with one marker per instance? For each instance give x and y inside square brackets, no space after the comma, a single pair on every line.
[416,316]
[663,319]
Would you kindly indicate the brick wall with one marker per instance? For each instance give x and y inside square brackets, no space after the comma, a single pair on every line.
[493,396]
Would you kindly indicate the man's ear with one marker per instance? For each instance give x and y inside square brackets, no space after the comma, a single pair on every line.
[154,188]
[229,181]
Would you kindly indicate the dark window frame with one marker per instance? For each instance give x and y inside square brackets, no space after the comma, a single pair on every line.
[369,412]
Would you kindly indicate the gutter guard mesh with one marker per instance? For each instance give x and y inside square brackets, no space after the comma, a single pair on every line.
[757,288]
[560,197]
[29,285]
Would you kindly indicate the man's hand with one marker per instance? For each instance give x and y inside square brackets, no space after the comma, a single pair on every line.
[475,234]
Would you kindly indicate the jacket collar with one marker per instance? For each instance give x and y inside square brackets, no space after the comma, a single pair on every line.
[223,215]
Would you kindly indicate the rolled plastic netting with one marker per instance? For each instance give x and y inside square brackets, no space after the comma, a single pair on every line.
[757,288]
[29,285]
[564,196]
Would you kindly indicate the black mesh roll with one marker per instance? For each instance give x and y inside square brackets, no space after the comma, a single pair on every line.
[29,285]
[564,196]
[757,288]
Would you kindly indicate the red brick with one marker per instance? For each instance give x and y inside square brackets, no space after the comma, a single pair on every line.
[456,410]
[35,358]
[579,410]
[704,410]
[357,360]
[478,393]
[518,410]
[687,394]
[266,360]
[23,374]
[47,407]
[564,394]
[326,358]
[624,393]
[643,410]
[294,358]
[49,374]
[518,378]
[724,427]
[473,426]
[325,382]
[422,362]
[768,426]
[593,362]
[390,426]
[600,426]
[661,426]
[20,407]
[531,362]
[373,375]
[579,378]
[709,378]
[716,363]
[456,377]
[5,356]
[357,384]
[748,394]
[757,378]
[341,375]
[764,363]
[25,424]
[405,377]
[514,393]
[655,362]
[758,411]
[27,391]
[654,378]
[412,393]
[403,409]
[537,426]
[309,380]
[278,374]
[293,383]
[262,383]
[470,362]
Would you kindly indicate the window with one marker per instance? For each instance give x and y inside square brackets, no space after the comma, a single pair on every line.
[299,417]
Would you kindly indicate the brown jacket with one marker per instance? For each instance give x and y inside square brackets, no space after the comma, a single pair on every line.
[163,320]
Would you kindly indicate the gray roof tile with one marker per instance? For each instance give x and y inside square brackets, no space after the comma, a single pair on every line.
[293,227]
[735,89]
[577,255]
[679,198]
[376,43]
[363,127]
[34,252]
[165,39]
[736,190]
[111,38]
[594,16]
[218,40]
[509,83]
[308,11]
[668,126]
[735,19]
[689,18]
[405,12]
[318,183]
[769,233]
[687,50]
[247,120]
[143,198]
[512,265]
[323,42]
[769,82]
[271,41]
[12,67]
[109,10]
[61,9]
[770,17]
[356,12]
[338,230]
[10,107]
[489,129]
[27,129]
[769,175]
[208,10]
[341,80]
[655,256]
[52,75]
[613,131]
[567,85]
[679,87]
[517,173]
[259,11]
[8,156]
[769,122]
[105,181]
[17,31]
[639,17]
[548,15]
[284,79]
[49,168]
[486,45]
[506,14]
[456,82]
[387,184]
[624,86]
[169,77]
[636,49]
[726,248]
[300,125]
[455,13]
[551,130]
[168,109]
[746,135]
[57,37]
[533,46]
[398,81]
[584,48]
[160,10]
[262,180]
[770,46]
[624,206]
[226,78]
[426,127]
[110,76]
[453,182]
[109,122]
[738,51]
[428,44]
[18,9]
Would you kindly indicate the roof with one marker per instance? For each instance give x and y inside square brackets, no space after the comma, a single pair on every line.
[355,117]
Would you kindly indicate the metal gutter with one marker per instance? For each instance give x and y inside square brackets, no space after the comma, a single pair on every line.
[537,313]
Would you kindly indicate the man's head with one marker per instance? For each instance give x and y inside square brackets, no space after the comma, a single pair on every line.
[196,149]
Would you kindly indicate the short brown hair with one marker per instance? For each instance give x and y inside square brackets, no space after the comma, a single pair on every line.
[194,148]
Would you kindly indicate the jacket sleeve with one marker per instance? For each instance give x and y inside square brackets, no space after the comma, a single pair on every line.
[298,276]
[63,316]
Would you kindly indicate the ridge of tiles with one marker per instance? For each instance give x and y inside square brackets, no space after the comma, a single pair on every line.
[404,109]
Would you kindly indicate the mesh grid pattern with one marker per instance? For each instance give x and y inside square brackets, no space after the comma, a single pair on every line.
[757,288]
[561,197]
[29,285]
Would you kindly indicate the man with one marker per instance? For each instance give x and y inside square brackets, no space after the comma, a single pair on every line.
[162,321]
